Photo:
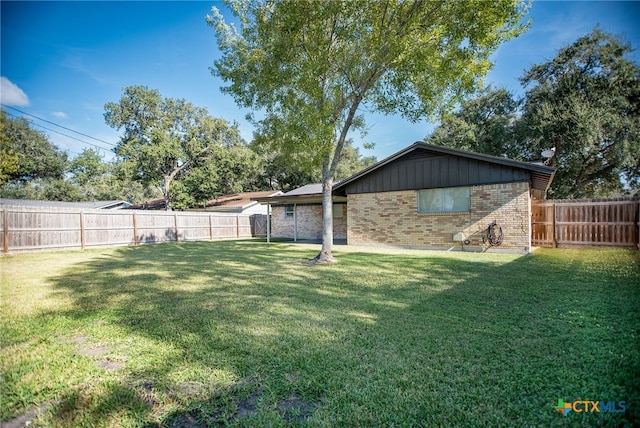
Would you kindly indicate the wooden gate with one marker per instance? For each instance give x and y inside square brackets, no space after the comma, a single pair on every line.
[585,222]
[259,225]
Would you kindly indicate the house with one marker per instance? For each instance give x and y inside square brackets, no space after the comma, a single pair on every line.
[32,203]
[241,203]
[424,196]
[237,203]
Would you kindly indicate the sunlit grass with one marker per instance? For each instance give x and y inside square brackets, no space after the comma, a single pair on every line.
[246,333]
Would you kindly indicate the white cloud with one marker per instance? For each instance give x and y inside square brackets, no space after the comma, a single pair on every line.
[59,114]
[11,94]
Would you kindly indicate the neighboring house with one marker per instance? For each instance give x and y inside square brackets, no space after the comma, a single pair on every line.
[237,203]
[424,196]
[32,203]
[241,203]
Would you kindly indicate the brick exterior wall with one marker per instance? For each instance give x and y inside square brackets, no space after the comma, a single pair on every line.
[309,219]
[392,218]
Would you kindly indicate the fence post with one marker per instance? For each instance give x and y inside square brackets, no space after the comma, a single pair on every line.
[210,229]
[175,222]
[135,229]
[554,244]
[82,235]
[237,226]
[5,223]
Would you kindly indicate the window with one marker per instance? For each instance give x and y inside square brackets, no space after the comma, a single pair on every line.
[288,211]
[337,210]
[446,200]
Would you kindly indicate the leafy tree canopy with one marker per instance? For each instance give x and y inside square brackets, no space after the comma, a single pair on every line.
[309,67]
[166,139]
[484,124]
[584,103]
[27,154]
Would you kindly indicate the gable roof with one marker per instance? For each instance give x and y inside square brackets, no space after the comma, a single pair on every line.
[33,203]
[238,202]
[540,176]
[151,204]
[307,194]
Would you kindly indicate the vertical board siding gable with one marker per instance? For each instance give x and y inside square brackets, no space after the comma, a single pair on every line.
[423,170]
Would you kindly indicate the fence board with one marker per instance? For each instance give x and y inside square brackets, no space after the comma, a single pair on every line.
[31,228]
[586,222]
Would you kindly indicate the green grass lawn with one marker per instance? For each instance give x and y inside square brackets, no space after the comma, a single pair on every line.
[246,333]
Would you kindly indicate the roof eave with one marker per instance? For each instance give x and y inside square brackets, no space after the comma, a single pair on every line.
[299,199]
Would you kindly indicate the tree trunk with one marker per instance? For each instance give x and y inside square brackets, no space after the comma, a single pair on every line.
[165,191]
[325,255]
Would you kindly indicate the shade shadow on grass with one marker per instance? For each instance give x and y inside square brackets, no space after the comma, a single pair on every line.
[244,333]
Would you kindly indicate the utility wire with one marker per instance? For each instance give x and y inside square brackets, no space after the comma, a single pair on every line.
[58,132]
[59,126]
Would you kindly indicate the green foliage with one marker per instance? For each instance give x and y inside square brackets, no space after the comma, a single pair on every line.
[227,170]
[351,161]
[285,172]
[99,180]
[227,333]
[484,124]
[166,139]
[585,102]
[309,67]
[26,153]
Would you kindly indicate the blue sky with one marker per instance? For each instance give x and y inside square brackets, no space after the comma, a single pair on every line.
[62,61]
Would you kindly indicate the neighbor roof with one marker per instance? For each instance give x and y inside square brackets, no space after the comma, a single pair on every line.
[33,203]
[238,201]
[307,194]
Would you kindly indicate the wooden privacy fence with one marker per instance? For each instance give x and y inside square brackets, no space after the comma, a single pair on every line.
[586,222]
[27,229]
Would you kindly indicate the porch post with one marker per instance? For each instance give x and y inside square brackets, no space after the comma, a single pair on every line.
[268,223]
[295,222]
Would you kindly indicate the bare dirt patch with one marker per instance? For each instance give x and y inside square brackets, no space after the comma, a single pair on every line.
[110,365]
[249,406]
[95,351]
[27,418]
[295,409]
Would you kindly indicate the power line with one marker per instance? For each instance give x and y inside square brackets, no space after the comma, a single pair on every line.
[58,132]
[59,126]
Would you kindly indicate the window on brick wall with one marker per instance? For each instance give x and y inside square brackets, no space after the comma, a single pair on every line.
[337,210]
[288,211]
[444,200]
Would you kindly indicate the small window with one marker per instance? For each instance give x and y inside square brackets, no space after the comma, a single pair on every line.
[288,211]
[337,210]
[445,200]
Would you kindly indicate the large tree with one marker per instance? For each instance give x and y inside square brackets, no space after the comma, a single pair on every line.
[27,154]
[228,169]
[165,139]
[310,67]
[283,172]
[585,102]
[486,123]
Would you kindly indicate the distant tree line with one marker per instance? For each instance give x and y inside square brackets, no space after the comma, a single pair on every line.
[169,148]
[582,106]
